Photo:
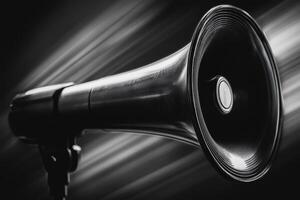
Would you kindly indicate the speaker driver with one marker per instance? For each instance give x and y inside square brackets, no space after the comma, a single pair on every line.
[234,89]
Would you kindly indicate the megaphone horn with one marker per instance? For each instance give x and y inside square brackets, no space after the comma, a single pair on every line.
[221,90]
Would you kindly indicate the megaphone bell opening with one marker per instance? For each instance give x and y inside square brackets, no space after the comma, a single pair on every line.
[238,118]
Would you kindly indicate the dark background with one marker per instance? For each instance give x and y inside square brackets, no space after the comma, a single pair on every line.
[48,42]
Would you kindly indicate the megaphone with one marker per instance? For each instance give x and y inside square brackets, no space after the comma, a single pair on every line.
[221,91]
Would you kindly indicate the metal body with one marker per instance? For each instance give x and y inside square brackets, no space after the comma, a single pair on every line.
[177,97]
[152,98]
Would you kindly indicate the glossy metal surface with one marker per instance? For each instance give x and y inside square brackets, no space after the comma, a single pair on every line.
[244,142]
[153,97]
[281,25]
[224,95]
[128,165]
[173,97]
[36,107]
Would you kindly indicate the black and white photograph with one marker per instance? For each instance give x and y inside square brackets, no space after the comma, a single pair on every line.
[150,100]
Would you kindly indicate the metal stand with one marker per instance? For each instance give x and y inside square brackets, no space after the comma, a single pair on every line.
[59,160]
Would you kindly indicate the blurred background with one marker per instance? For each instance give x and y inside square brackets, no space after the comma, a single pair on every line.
[49,42]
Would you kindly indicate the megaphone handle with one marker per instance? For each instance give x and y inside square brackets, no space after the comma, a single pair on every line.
[59,161]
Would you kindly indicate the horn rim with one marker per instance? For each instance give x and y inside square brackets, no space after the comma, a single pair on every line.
[197,118]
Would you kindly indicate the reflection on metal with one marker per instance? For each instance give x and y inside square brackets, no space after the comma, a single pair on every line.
[281,24]
[173,97]
[224,95]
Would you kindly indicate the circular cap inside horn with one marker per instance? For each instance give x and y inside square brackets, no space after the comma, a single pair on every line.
[241,139]
[224,96]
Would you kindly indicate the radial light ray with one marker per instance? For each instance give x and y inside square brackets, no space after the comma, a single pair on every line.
[117,166]
[282,27]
